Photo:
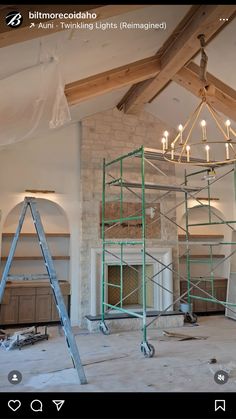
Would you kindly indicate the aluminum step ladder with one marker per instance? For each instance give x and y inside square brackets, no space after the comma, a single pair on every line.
[65,321]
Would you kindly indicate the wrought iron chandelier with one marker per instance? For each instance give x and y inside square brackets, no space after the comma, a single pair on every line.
[203,151]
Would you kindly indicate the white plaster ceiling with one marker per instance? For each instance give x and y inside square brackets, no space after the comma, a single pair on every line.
[97,104]
[83,52]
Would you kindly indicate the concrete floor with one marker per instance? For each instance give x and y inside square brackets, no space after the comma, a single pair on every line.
[115,363]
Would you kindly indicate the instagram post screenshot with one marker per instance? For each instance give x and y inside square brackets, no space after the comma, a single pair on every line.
[117,211]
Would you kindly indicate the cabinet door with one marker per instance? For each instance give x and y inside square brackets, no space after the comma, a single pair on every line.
[199,306]
[220,288]
[55,316]
[43,308]
[221,293]
[26,309]
[9,312]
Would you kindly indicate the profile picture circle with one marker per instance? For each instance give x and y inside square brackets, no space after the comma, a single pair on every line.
[14,19]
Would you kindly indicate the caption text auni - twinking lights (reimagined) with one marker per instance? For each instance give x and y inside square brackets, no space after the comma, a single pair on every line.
[103,25]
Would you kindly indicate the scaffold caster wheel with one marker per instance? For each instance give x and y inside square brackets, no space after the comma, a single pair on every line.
[147,349]
[190,318]
[103,328]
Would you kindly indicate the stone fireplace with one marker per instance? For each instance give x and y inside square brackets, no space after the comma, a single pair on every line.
[157,297]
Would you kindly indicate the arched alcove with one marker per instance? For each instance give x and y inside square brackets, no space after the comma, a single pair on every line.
[198,214]
[53,217]
[56,227]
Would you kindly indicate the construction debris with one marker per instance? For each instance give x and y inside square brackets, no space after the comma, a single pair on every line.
[2,334]
[22,338]
[182,337]
[212,361]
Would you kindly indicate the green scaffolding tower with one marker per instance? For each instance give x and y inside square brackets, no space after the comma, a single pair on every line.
[107,244]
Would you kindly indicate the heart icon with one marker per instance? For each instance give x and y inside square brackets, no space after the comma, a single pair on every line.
[14,405]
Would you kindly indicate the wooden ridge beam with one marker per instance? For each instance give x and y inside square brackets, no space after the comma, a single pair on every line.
[110,80]
[10,36]
[219,95]
[207,20]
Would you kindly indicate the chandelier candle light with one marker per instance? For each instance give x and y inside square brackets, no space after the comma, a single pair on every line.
[163,144]
[204,133]
[227,151]
[166,134]
[204,151]
[228,123]
[207,153]
[172,151]
[181,133]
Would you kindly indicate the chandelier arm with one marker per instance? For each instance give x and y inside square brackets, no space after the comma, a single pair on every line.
[197,110]
[233,132]
[216,118]
[186,124]
[231,145]
[219,117]
[190,131]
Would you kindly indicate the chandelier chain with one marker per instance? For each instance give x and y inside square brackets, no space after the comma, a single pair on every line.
[204,60]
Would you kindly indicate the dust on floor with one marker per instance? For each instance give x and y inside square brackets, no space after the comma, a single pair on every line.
[114,363]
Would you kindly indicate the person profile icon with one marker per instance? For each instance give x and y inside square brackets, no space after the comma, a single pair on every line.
[15,377]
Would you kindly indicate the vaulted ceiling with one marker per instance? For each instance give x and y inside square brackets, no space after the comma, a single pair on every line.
[133,69]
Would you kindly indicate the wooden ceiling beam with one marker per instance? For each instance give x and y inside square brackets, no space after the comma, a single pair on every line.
[219,95]
[207,20]
[98,84]
[10,36]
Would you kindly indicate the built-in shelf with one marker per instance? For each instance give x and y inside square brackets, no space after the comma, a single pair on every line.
[203,257]
[182,237]
[36,258]
[204,278]
[35,235]
[34,283]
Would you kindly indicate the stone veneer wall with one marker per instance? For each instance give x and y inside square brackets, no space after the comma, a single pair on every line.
[108,135]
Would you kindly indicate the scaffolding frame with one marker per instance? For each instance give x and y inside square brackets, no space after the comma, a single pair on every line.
[147,156]
[209,260]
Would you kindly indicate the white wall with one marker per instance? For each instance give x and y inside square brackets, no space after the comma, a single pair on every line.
[222,188]
[51,162]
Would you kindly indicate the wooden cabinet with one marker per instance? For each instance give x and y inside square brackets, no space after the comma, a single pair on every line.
[9,313]
[26,308]
[27,302]
[201,306]
[43,308]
